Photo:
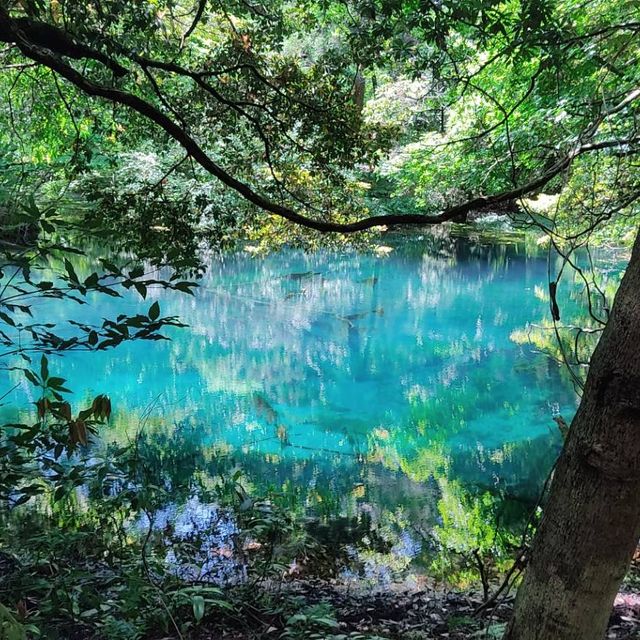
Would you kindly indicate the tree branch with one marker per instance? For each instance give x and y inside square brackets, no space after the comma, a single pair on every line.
[194,24]
[11,30]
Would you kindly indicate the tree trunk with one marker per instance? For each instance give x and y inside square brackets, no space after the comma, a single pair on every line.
[359,86]
[591,523]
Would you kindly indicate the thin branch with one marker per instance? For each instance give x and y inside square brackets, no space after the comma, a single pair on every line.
[199,13]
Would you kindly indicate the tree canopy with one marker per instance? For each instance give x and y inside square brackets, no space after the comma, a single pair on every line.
[512,99]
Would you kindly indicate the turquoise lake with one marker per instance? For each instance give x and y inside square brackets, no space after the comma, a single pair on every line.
[395,383]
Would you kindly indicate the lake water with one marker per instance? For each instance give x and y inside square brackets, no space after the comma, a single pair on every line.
[395,383]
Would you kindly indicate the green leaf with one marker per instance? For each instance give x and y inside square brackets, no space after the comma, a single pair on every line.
[5,318]
[31,377]
[185,287]
[109,266]
[47,226]
[71,272]
[55,383]
[327,622]
[141,289]
[154,311]
[198,607]
[44,368]
[91,281]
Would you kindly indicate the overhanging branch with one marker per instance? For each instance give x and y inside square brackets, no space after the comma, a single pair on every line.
[10,30]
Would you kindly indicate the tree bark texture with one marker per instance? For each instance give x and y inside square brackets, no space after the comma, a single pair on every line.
[591,523]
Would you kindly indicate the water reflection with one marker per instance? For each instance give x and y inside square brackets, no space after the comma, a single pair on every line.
[382,387]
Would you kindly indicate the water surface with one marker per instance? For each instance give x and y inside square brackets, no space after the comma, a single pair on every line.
[392,383]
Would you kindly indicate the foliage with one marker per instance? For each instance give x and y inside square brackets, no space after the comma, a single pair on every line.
[478,99]
[96,557]
[319,112]
[511,103]
[47,461]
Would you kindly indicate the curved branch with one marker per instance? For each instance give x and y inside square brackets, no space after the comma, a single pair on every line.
[45,35]
[194,24]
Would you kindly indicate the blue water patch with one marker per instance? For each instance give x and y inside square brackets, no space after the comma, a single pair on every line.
[369,376]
